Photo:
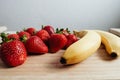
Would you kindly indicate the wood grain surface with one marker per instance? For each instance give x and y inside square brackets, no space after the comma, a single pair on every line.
[99,66]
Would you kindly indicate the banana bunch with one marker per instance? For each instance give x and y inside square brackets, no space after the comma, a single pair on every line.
[88,44]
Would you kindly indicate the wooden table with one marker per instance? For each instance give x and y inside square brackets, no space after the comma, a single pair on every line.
[99,66]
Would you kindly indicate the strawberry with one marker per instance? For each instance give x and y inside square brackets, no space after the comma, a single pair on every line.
[35,45]
[71,38]
[31,31]
[57,42]
[13,36]
[23,35]
[44,35]
[13,53]
[49,29]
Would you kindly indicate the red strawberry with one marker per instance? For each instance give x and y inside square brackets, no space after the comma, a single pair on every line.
[43,34]
[31,30]
[23,35]
[49,29]
[57,42]
[13,37]
[71,39]
[35,45]
[13,53]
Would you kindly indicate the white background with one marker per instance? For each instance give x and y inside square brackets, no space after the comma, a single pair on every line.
[75,14]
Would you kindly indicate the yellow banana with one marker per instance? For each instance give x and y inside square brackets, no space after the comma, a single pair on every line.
[83,48]
[111,42]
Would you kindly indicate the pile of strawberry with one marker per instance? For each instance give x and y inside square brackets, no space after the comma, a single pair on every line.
[15,47]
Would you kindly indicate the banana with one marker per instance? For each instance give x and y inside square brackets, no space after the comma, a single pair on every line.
[111,42]
[90,41]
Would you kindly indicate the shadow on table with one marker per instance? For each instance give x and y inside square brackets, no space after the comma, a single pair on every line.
[2,65]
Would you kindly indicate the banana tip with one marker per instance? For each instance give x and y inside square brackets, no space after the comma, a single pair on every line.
[63,60]
[114,54]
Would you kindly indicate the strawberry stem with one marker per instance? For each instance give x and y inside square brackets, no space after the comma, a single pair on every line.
[4,37]
[24,29]
[67,30]
[42,26]
[34,32]
[59,30]
[23,38]
[62,29]
[17,32]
